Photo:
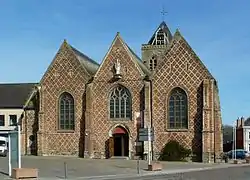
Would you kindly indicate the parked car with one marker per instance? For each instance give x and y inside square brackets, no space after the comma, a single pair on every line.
[240,154]
[3,146]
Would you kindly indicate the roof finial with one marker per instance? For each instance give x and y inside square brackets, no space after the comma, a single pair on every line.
[163,12]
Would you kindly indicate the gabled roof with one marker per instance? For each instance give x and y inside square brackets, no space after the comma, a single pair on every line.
[177,36]
[89,64]
[163,26]
[92,66]
[140,66]
[139,62]
[15,95]
[247,122]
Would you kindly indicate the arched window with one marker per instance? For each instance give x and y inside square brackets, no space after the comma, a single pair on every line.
[120,103]
[178,109]
[66,112]
[153,62]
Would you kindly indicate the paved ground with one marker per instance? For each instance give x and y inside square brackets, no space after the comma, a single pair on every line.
[77,168]
[231,173]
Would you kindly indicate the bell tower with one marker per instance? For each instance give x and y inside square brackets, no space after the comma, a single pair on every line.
[157,44]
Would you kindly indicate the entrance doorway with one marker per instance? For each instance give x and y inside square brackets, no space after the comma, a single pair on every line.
[119,142]
[120,145]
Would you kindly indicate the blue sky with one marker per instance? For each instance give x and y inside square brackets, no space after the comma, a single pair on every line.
[218,30]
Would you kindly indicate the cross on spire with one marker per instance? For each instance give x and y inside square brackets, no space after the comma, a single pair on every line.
[163,12]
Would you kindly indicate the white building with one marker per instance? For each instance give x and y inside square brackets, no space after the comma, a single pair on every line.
[246,134]
[246,137]
[243,133]
[12,100]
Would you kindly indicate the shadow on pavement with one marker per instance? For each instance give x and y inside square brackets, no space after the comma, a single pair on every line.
[4,173]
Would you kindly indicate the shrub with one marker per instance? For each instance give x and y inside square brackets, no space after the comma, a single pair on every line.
[173,151]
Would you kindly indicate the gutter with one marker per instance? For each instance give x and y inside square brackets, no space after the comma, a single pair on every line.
[37,88]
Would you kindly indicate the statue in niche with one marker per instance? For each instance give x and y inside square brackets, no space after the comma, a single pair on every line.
[117,67]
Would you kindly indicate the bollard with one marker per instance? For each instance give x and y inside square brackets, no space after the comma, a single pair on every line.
[226,159]
[65,170]
[138,166]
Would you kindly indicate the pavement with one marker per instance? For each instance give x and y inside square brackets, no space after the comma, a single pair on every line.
[89,169]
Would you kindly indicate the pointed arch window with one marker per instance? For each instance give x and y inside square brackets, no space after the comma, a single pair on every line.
[153,62]
[120,104]
[66,112]
[178,109]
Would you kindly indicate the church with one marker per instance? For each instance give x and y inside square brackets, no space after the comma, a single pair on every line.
[82,108]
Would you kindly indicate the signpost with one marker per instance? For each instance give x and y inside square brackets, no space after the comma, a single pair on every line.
[144,134]
[147,134]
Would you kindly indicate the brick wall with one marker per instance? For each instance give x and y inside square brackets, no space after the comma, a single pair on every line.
[98,107]
[65,74]
[240,138]
[181,68]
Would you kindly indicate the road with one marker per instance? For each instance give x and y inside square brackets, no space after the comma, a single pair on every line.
[230,173]
[87,169]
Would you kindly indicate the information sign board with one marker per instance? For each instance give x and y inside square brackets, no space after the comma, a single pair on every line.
[144,134]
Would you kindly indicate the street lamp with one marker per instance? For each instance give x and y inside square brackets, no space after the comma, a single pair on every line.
[234,138]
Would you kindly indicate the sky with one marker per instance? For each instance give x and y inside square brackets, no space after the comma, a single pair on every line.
[31,33]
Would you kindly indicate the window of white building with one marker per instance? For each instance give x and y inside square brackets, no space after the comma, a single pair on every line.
[13,120]
[2,120]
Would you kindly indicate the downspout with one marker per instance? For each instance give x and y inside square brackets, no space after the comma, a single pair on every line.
[148,79]
[214,117]
[26,132]
[151,115]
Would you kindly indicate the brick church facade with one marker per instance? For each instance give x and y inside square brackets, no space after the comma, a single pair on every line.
[93,110]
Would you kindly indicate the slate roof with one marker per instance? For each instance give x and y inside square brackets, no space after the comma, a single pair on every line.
[89,64]
[247,122]
[15,95]
[165,29]
[139,62]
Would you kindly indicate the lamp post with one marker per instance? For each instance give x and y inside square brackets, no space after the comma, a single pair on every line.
[149,146]
[234,139]
[19,144]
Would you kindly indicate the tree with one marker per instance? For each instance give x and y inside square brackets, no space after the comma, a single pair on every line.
[173,151]
[227,133]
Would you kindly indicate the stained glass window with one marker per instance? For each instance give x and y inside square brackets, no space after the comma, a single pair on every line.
[66,113]
[177,110]
[120,103]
